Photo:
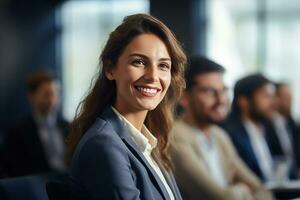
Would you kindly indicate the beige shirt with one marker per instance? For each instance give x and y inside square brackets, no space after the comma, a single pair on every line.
[192,173]
[146,143]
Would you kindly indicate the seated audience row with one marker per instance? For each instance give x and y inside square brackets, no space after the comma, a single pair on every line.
[206,164]
[123,143]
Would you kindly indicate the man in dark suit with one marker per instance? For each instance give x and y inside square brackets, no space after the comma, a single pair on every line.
[286,128]
[249,127]
[36,143]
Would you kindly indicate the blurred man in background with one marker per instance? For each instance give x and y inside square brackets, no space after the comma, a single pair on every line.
[36,143]
[249,127]
[287,130]
[206,165]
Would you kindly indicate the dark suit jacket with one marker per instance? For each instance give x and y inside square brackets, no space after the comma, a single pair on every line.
[295,135]
[25,153]
[109,165]
[240,138]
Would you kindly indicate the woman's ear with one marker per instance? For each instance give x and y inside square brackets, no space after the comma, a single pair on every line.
[109,74]
[109,70]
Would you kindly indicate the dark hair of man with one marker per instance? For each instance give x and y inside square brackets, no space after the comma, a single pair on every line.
[247,86]
[38,78]
[198,65]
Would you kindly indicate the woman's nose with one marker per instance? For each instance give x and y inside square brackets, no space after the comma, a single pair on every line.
[151,74]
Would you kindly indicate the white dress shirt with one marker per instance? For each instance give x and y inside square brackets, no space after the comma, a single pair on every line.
[146,143]
[283,135]
[209,150]
[260,148]
[52,140]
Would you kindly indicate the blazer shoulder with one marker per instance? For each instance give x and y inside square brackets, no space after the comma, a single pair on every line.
[99,133]
[101,164]
[100,146]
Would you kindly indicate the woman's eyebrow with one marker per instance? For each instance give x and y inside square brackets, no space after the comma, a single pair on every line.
[146,57]
[138,55]
[165,59]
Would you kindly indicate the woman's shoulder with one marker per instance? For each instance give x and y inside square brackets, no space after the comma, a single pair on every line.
[100,138]
[97,130]
[100,157]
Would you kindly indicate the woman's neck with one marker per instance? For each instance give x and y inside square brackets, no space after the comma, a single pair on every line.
[136,118]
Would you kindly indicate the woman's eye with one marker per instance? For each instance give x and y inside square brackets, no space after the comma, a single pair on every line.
[164,66]
[138,62]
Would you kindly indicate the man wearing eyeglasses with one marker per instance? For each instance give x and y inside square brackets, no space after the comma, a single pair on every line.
[206,164]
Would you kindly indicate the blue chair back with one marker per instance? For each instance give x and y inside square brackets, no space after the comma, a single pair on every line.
[21,188]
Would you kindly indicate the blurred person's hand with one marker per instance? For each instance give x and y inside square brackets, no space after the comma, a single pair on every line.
[262,194]
[243,192]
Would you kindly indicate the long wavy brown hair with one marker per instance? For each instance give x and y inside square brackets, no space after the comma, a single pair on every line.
[103,91]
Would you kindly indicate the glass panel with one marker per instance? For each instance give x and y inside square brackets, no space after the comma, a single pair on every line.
[282,56]
[86,25]
[232,36]
[244,43]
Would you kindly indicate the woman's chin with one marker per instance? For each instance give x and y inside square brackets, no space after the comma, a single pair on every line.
[148,107]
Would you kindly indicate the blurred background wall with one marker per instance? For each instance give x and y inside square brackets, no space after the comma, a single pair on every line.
[67,37]
[28,41]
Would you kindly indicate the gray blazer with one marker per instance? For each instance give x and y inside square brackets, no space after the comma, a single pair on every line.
[107,164]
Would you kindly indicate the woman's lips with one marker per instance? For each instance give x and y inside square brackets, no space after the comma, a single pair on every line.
[147,91]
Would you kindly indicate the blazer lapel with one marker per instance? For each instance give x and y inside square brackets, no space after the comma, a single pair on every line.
[113,119]
[134,149]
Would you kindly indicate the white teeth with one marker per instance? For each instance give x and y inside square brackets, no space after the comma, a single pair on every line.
[147,90]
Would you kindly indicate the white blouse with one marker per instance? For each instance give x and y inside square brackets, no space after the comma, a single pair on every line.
[146,143]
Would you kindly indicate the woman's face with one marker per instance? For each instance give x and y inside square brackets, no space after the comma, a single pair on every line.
[142,74]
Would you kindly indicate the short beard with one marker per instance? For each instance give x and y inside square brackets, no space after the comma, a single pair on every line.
[198,117]
[255,115]
[202,120]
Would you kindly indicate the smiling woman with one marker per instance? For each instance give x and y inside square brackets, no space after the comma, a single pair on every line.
[147,64]
[119,137]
